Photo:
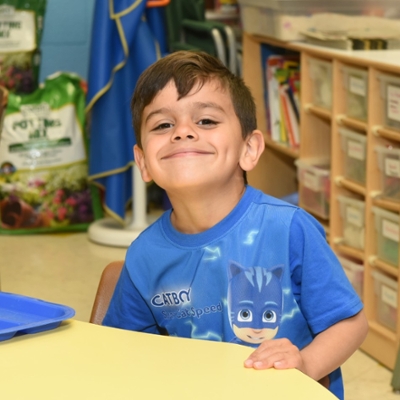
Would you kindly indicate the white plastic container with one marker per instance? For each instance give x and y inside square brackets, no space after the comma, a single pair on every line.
[354,147]
[286,19]
[320,72]
[389,166]
[388,235]
[355,81]
[354,272]
[352,212]
[386,289]
[314,190]
[390,93]
[270,19]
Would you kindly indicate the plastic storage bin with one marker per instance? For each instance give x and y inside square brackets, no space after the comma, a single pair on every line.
[355,273]
[354,147]
[390,93]
[389,165]
[272,18]
[286,19]
[386,289]
[387,227]
[355,81]
[314,191]
[321,81]
[352,212]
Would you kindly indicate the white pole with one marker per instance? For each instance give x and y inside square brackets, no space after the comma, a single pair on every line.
[109,232]
[139,220]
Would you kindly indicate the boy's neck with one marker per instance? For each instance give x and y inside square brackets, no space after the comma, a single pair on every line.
[197,212]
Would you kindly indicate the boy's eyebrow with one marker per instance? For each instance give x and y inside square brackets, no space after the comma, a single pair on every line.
[209,104]
[154,112]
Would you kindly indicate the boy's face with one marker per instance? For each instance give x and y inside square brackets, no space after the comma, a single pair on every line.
[193,142]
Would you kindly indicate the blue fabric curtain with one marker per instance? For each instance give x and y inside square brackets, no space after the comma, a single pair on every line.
[123,45]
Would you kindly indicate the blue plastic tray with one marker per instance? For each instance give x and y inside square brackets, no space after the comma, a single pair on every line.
[22,314]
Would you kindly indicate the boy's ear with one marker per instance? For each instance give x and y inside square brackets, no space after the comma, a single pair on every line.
[141,163]
[254,146]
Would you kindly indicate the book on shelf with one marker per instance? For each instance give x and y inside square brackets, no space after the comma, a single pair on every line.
[291,122]
[282,98]
[275,116]
[293,90]
[266,52]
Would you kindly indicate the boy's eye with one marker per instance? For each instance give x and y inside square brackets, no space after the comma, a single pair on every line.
[162,126]
[207,121]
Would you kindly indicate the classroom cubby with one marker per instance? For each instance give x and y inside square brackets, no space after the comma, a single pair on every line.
[354,122]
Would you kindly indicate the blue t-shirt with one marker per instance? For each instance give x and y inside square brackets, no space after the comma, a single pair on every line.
[263,272]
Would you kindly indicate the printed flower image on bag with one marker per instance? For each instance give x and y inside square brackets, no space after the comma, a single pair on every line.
[43,159]
[21,26]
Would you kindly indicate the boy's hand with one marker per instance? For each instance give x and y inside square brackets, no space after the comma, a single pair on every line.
[328,351]
[278,353]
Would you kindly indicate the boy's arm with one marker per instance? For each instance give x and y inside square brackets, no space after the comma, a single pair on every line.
[332,347]
[127,309]
[324,354]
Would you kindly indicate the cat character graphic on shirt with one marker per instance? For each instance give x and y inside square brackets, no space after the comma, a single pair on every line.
[255,302]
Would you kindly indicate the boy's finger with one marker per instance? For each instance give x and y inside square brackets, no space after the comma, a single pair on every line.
[258,364]
[264,360]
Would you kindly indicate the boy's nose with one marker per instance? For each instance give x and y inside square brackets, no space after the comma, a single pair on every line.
[183,132]
[178,137]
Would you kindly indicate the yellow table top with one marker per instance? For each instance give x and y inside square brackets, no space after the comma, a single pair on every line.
[79,360]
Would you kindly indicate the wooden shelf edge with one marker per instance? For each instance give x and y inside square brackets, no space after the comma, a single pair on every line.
[387,204]
[350,251]
[272,41]
[350,185]
[384,266]
[352,122]
[386,133]
[289,151]
[318,111]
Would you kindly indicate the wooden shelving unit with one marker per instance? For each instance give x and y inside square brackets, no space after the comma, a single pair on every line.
[276,173]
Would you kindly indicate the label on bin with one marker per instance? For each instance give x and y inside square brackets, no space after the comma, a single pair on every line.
[356,150]
[393,102]
[354,216]
[392,167]
[389,296]
[357,86]
[311,181]
[390,230]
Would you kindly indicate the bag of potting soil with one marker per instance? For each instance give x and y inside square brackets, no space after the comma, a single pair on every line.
[21,26]
[43,160]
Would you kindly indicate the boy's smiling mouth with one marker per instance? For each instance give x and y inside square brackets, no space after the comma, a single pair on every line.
[186,153]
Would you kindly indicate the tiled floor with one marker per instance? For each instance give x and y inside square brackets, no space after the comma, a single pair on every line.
[65,268]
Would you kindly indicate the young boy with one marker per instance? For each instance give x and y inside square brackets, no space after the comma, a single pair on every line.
[228,263]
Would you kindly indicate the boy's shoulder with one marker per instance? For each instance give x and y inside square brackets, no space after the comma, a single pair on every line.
[266,199]
[302,220]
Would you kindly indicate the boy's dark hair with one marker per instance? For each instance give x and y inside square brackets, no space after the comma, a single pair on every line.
[186,69]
